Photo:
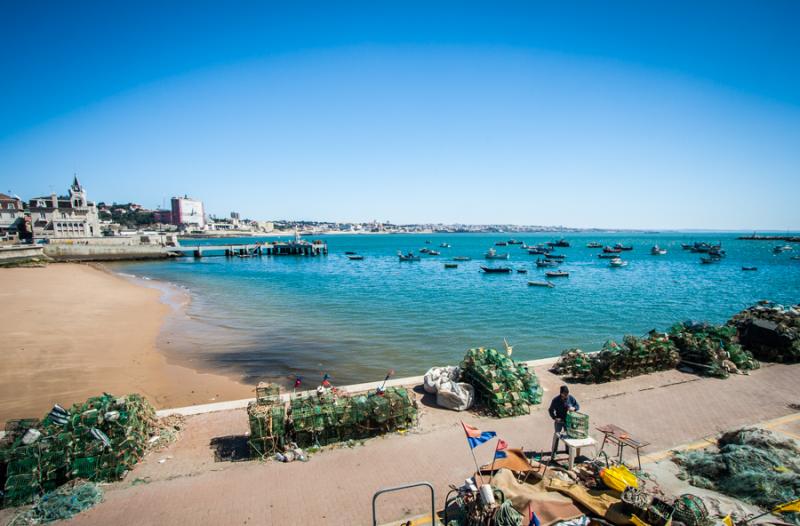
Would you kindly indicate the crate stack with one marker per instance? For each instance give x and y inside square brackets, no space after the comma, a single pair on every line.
[330,416]
[503,387]
[99,440]
[714,349]
[267,417]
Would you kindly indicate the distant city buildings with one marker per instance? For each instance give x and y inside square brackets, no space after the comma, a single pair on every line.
[188,212]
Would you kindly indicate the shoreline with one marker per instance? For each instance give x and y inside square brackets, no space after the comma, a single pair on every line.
[76,330]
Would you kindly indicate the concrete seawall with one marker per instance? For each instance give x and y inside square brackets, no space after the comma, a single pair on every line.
[14,254]
[104,253]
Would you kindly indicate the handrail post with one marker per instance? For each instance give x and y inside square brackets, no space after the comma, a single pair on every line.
[398,488]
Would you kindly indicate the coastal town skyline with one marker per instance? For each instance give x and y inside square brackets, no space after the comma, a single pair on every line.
[476,115]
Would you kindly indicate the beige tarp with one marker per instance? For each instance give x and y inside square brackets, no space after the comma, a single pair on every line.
[604,503]
[549,506]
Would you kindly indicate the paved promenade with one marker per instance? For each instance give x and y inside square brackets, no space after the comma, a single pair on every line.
[335,487]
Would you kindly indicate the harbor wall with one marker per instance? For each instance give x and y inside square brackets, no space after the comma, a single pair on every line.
[116,252]
[13,254]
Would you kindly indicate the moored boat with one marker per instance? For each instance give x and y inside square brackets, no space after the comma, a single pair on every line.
[462,258]
[560,243]
[706,260]
[522,271]
[594,244]
[501,244]
[557,274]
[555,256]
[424,250]
[781,249]
[658,251]
[434,253]
[407,257]
[355,257]
[541,284]
[546,263]
[492,254]
[617,263]
[608,255]
[349,253]
[444,245]
[611,250]
[496,270]
[620,246]
[451,265]
[514,242]
[750,268]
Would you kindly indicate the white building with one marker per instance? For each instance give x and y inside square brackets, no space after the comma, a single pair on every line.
[188,212]
[65,216]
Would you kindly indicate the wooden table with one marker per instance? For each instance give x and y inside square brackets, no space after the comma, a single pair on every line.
[621,438]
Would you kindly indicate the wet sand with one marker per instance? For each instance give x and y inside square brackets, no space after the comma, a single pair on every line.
[71,331]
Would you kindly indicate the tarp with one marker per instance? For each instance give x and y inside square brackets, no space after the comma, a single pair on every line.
[551,507]
[604,503]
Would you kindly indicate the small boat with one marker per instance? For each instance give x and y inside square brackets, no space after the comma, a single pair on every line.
[424,250]
[501,244]
[749,268]
[451,265]
[522,271]
[795,257]
[701,247]
[536,251]
[355,257]
[492,254]
[434,253]
[349,253]
[658,251]
[245,255]
[408,257]
[514,242]
[620,246]
[444,245]
[555,256]
[560,243]
[716,251]
[427,241]
[557,274]
[547,263]
[541,284]
[617,263]
[496,270]
[594,244]
[606,255]
[611,250]
[708,260]
[686,246]
[780,250]
[462,258]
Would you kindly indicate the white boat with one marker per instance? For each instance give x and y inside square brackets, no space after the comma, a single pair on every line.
[658,251]
[617,262]
[541,284]
[492,254]
[407,257]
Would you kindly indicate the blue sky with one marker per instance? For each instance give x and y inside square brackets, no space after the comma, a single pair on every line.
[607,114]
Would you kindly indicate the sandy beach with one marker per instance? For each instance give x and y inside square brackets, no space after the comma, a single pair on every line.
[72,331]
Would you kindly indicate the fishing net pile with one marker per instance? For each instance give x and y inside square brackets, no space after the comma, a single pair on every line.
[636,356]
[754,465]
[60,504]
[712,349]
[327,416]
[98,440]
[502,387]
[770,331]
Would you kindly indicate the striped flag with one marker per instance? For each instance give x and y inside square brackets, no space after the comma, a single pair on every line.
[475,436]
[534,520]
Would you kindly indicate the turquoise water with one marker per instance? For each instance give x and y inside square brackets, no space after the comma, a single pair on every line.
[273,317]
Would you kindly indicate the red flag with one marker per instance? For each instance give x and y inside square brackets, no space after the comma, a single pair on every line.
[297,382]
[501,445]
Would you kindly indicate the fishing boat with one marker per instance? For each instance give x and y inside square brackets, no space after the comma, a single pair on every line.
[701,247]
[750,268]
[444,245]
[492,254]
[427,241]
[541,284]
[795,257]
[607,255]
[780,250]
[245,255]
[546,263]
[354,257]
[611,250]
[560,243]
[349,253]
[407,257]
[658,251]
[451,265]
[462,258]
[620,246]
[536,251]
[617,263]
[716,251]
[424,250]
[594,244]
[496,270]
[434,253]
[557,274]
[501,244]
[522,271]
[708,260]
[686,246]
[555,256]
[514,242]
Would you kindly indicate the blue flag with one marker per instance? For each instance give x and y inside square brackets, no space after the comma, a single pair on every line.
[475,437]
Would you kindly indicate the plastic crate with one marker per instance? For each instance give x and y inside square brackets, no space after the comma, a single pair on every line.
[577,425]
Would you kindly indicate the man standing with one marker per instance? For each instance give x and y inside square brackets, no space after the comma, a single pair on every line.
[560,406]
